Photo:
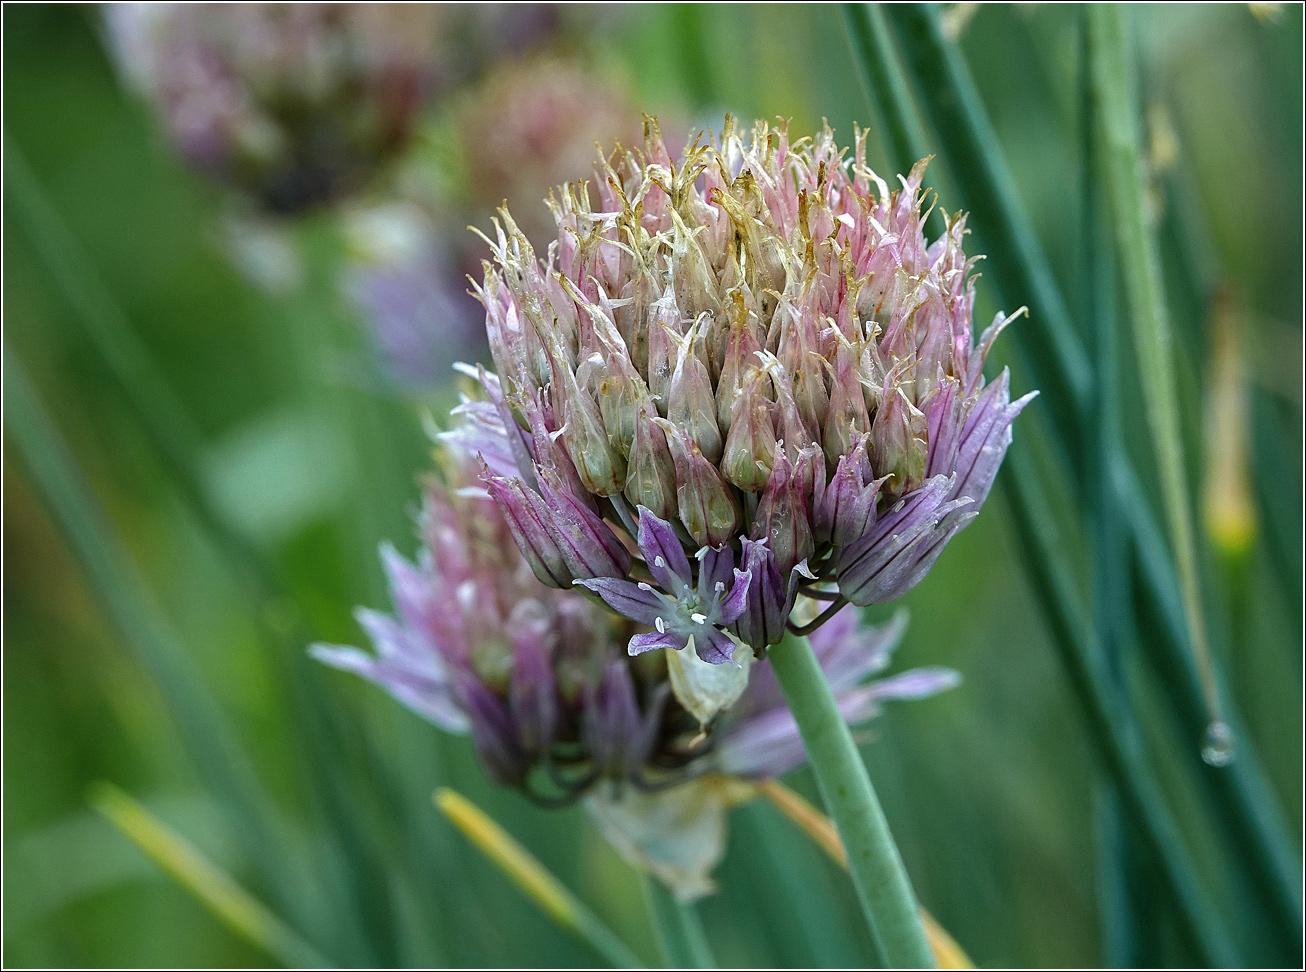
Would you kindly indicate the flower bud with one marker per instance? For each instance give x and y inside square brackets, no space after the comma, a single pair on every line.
[528,519]
[897,442]
[846,419]
[706,503]
[690,402]
[751,445]
[651,480]
[783,517]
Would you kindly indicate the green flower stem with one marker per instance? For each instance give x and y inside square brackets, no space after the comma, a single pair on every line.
[679,931]
[873,861]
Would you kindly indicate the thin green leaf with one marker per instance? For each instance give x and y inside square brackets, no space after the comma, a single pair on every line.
[1118,852]
[233,905]
[121,596]
[679,930]
[891,104]
[533,878]
[153,401]
[1055,355]
[1140,267]
[1059,363]
[1114,732]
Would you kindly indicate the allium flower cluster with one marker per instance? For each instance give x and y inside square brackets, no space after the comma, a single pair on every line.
[293,104]
[750,367]
[541,680]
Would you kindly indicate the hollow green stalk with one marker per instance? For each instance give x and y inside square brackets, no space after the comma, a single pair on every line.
[680,934]
[883,889]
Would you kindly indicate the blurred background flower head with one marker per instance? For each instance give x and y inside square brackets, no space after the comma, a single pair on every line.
[294,105]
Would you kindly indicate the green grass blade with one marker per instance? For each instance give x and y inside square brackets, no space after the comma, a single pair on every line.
[1141,271]
[1055,355]
[121,596]
[161,415]
[1060,365]
[1114,733]
[890,97]
[1242,795]
[679,930]
[175,439]
[1119,855]
[534,880]
[233,905]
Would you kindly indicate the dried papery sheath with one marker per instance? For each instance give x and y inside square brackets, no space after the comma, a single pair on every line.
[751,354]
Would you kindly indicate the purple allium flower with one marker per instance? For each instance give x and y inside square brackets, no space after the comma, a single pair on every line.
[679,834]
[689,611]
[756,349]
[293,104]
[540,676]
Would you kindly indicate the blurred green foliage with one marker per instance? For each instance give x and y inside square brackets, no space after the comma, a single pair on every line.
[310,461]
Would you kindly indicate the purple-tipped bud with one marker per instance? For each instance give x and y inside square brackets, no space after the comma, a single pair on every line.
[613,728]
[845,507]
[690,404]
[783,517]
[770,598]
[588,546]
[493,733]
[532,689]
[528,520]
[985,439]
[846,420]
[750,447]
[897,442]
[602,469]
[651,480]
[741,350]
[874,569]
